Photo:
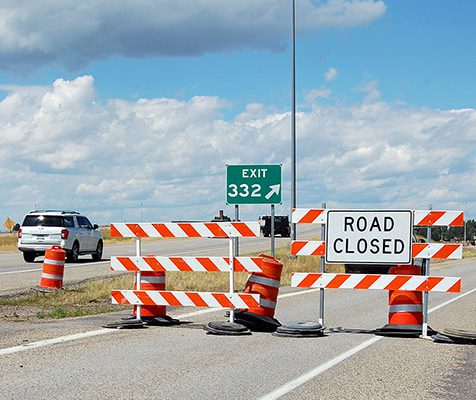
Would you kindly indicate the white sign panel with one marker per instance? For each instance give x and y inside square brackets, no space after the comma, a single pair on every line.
[369,236]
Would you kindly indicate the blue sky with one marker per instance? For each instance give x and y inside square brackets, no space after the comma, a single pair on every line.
[421,53]
[384,89]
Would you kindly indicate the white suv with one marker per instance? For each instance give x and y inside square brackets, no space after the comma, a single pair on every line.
[72,231]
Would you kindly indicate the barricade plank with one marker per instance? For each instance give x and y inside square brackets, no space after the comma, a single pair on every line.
[438,218]
[421,217]
[194,229]
[419,250]
[376,281]
[188,264]
[192,299]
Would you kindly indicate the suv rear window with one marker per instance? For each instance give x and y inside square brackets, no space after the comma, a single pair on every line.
[43,220]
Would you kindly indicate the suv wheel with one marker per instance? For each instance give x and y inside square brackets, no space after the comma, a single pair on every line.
[98,255]
[74,253]
[29,256]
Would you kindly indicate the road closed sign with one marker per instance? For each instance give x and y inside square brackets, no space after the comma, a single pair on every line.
[369,236]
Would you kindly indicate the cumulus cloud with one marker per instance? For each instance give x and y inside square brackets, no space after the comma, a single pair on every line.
[370,88]
[312,95]
[74,34]
[331,74]
[63,149]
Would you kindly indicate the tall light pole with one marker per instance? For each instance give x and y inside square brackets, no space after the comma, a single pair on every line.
[293,121]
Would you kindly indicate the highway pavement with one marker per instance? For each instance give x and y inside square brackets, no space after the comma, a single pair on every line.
[78,359]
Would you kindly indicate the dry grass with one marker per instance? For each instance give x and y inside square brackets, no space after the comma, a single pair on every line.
[8,242]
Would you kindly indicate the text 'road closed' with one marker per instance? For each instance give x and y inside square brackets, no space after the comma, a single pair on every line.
[366,236]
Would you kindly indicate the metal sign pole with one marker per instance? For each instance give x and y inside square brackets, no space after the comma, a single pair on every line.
[322,265]
[273,251]
[237,240]
[232,275]
[138,275]
[293,120]
[426,263]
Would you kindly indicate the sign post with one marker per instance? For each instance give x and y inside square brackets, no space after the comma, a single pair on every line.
[369,236]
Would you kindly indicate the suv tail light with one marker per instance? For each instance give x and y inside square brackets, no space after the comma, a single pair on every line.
[64,234]
[19,233]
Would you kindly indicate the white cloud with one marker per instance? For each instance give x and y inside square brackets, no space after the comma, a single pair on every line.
[312,95]
[74,33]
[331,74]
[371,89]
[60,148]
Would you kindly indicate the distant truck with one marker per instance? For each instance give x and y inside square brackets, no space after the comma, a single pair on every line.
[281,225]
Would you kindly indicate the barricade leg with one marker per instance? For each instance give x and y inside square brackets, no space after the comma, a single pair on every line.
[53,269]
[405,313]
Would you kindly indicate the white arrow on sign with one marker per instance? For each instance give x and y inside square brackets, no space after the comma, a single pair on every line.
[274,190]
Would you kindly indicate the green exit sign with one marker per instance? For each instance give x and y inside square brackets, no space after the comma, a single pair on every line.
[253,184]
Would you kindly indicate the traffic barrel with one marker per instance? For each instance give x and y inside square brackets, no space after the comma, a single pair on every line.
[53,268]
[153,315]
[266,284]
[405,313]
[405,307]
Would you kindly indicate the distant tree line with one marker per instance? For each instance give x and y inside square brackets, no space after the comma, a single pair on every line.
[452,233]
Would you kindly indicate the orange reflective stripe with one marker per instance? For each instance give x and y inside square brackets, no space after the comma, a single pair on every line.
[137,230]
[337,281]
[296,246]
[197,299]
[446,251]
[458,221]
[215,229]
[115,232]
[163,230]
[397,282]
[431,218]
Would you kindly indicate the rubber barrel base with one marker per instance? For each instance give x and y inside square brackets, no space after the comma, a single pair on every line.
[300,330]
[402,331]
[226,329]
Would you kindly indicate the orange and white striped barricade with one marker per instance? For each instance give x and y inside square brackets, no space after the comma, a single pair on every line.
[228,230]
[425,251]
[419,250]
[430,218]
[264,279]
[312,216]
[418,283]
[53,268]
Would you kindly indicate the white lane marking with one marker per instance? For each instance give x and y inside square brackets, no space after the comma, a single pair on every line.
[41,269]
[290,386]
[48,342]
[451,301]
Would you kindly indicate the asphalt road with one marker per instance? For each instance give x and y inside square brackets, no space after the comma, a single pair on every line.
[185,363]
[16,274]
